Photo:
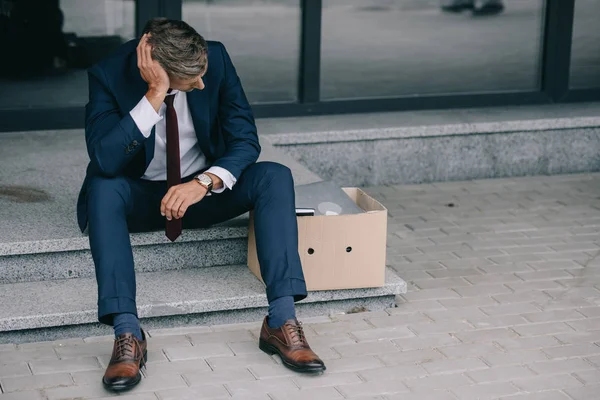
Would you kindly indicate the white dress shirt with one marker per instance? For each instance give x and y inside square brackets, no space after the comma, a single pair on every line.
[192,158]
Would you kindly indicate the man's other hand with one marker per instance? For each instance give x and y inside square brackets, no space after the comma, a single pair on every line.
[179,198]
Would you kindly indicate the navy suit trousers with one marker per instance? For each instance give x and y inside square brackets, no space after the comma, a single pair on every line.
[118,206]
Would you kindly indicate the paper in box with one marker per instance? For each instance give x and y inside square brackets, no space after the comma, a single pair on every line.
[339,251]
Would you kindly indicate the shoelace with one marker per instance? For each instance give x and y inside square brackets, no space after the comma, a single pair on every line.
[125,348]
[296,333]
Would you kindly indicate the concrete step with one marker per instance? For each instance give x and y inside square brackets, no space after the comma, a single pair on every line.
[39,239]
[49,310]
[41,260]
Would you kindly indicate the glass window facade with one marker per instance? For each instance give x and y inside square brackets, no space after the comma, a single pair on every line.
[262,38]
[380,48]
[48,45]
[585,50]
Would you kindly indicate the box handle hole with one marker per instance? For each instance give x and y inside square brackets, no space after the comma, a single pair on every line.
[348,249]
[311,251]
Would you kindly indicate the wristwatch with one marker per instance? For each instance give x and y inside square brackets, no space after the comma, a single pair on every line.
[205,181]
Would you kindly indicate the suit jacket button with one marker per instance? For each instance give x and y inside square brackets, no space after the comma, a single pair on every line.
[134,143]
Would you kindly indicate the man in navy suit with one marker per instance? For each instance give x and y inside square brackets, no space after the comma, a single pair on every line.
[173,144]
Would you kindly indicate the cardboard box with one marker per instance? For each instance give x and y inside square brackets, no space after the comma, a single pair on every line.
[339,251]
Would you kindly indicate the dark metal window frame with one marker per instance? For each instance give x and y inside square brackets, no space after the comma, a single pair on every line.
[554,76]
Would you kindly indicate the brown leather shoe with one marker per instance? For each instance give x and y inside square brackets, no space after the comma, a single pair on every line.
[128,357]
[291,345]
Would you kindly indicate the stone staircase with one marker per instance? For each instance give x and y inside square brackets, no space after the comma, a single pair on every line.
[47,284]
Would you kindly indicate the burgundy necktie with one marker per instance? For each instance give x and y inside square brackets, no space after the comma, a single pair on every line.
[173,227]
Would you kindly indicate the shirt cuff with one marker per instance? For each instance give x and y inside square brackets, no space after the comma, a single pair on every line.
[144,116]
[226,176]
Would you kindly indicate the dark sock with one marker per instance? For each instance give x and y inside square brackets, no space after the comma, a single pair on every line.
[127,323]
[280,310]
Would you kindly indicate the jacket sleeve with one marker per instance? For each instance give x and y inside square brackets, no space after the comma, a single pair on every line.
[237,122]
[112,141]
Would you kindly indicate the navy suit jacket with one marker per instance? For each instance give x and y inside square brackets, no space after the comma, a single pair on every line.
[221,114]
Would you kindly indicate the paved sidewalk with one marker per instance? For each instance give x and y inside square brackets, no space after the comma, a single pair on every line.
[504,303]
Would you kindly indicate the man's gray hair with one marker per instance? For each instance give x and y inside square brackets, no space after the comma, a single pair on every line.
[177,47]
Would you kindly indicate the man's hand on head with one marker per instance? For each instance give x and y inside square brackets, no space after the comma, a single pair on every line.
[152,73]
[180,197]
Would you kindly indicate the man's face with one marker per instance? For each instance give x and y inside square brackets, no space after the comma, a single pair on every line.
[187,85]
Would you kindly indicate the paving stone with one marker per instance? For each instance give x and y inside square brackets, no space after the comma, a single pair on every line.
[161,382]
[453,366]
[350,364]
[27,355]
[546,328]
[178,367]
[35,382]
[441,283]
[469,302]
[398,321]
[470,350]
[69,365]
[28,395]
[485,335]
[400,371]
[225,336]
[500,374]
[576,350]
[584,393]
[76,392]
[452,273]
[537,285]
[411,356]
[543,275]
[554,265]
[561,366]
[328,379]
[426,341]
[506,269]
[413,306]
[547,382]
[184,330]
[455,314]
[203,350]
[493,278]
[589,376]
[269,371]
[515,357]
[496,321]
[448,326]
[262,386]
[416,258]
[545,395]
[194,393]
[243,360]
[466,263]
[250,347]
[482,290]
[485,391]
[431,294]
[334,328]
[510,309]
[86,350]
[201,378]
[422,394]
[380,334]
[551,316]
[319,393]
[14,369]
[518,258]
[589,324]
[522,297]
[372,388]
[438,382]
